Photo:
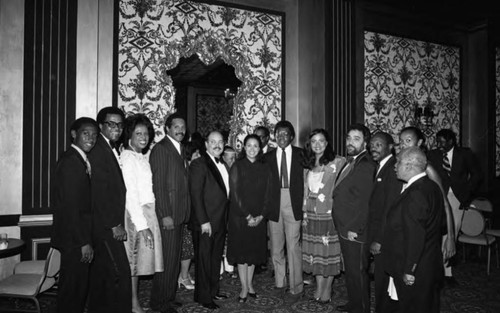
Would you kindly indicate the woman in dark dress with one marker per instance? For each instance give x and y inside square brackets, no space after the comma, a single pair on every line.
[247,245]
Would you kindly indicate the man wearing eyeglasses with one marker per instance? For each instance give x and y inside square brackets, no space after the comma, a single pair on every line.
[110,287]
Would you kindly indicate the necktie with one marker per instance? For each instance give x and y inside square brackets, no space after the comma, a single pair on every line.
[377,169]
[446,164]
[283,171]
[89,168]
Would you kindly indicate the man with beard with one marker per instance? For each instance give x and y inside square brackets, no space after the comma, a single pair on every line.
[386,189]
[209,187]
[351,198]
[171,189]
[110,285]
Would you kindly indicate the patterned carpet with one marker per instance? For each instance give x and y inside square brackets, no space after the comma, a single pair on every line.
[476,293]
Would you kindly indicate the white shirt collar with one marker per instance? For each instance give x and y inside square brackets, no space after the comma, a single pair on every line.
[176,144]
[82,153]
[412,180]
[384,160]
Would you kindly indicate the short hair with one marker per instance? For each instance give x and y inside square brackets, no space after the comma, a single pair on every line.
[285,124]
[418,133]
[415,157]
[171,118]
[243,153]
[447,134]
[131,122]
[385,136]
[101,116]
[361,128]
[264,129]
[77,124]
[189,149]
[309,158]
[228,149]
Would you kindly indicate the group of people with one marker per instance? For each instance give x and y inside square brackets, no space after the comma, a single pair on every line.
[121,212]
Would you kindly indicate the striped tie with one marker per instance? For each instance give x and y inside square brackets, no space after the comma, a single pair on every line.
[446,163]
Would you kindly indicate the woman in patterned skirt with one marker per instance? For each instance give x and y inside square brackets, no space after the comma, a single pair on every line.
[320,241]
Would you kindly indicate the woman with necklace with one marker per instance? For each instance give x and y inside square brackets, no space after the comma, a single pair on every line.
[320,241]
[143,243]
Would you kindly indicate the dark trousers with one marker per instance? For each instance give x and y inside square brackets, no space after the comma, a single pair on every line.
[208,256]
[355,256]
[110,285]
[165,283]
[383,303]
[73,282]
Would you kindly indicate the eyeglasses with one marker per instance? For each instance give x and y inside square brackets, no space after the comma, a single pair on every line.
[114,125]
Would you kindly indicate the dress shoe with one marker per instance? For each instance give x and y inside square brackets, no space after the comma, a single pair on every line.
[252,294]
[450,281]
[210,306]
[220,296]
[343,308]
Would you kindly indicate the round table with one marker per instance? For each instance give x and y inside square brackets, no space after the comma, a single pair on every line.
[15,247]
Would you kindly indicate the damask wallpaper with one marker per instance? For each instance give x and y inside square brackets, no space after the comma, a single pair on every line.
[497,102]
[154,34]
[212,111]
[411,83]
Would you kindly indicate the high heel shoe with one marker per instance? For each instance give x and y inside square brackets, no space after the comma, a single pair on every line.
[252,294]
[186,283]
[242,300]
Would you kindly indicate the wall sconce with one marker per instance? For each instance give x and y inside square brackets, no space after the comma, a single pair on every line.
[424,116]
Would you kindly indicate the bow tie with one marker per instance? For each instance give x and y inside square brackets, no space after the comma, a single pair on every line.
[217,160]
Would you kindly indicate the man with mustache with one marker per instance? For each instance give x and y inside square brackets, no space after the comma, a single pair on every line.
[110,285]
[351,198]
[171,189]
[209,187]
[386,189]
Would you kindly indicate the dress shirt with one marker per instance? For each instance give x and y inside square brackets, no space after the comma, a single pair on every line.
[222,170]
[449,154]
[114,151]
[382,163]
[176,144]
[412,180]
[288,151]
[84,156]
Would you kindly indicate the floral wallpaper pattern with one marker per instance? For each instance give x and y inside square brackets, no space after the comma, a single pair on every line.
[154,34]
[497,101]
[410,82]
[212,110]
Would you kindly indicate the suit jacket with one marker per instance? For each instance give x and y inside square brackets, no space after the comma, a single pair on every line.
[351,198]
[412,236]
[209,197]
[465,175]
[386,189]
[170,182]
[108,189]
[296,186]
[71,202]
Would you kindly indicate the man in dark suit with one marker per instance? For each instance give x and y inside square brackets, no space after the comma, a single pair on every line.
[386,189]
[171,189]
[285,210]
[460,175]
[209,187]
[351,198]
[72,226]
[110,285]
[411,244]
[264,135]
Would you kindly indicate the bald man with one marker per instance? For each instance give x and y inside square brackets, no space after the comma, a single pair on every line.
[412,254]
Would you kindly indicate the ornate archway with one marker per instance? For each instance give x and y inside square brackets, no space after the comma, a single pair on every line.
[154,35]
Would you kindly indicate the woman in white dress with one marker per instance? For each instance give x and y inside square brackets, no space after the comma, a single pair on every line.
[143,245]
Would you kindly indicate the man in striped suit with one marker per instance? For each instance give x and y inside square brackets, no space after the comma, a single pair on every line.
[170,186]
